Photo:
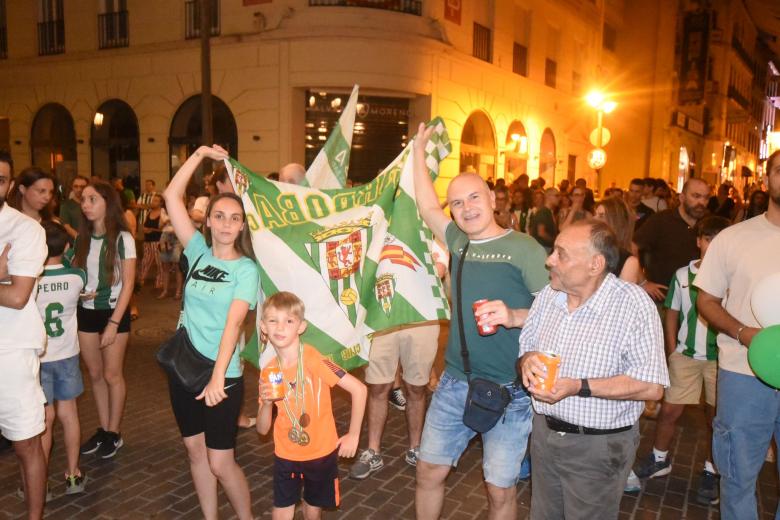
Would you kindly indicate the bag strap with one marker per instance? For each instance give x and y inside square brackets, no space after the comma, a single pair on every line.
[464,351]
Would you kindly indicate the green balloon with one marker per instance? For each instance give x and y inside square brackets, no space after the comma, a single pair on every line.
[764,355]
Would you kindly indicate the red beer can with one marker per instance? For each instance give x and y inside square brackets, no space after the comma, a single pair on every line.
[484,330]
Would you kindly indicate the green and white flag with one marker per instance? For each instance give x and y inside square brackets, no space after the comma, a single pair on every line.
[331,166]
[360,258]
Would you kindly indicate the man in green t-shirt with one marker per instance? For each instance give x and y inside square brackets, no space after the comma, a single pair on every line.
[70,210]
[506,268]
[127,195]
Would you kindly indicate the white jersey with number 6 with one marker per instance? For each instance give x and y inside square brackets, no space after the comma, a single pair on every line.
[58,296]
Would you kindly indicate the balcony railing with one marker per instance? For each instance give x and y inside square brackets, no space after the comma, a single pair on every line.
[51,37]
[192,18]
[742,52]
[3,43]
[401,6]
[741,100]
[113,30]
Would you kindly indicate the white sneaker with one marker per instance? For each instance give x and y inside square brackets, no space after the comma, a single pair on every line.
[633,485]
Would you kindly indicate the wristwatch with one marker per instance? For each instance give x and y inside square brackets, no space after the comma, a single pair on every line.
[584,389]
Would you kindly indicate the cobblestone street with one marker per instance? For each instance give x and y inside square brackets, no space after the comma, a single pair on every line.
[149,477]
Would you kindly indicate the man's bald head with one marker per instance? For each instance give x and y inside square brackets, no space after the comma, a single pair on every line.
[292,173]
[471,206]
[466,182]
[694,197]
[694,181]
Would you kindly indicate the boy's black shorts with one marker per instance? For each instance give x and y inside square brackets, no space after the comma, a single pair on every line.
[319,478]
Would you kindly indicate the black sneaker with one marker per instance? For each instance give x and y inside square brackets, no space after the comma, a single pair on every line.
[112,443]
[397,399]
[707,494]
[94,442]
[651,468]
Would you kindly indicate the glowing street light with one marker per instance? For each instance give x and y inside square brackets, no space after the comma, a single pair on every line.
[597,157]
[595,99]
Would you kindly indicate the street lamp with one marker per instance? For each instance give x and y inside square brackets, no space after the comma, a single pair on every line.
[600,136]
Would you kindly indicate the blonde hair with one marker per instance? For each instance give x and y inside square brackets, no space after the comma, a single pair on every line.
[285,301]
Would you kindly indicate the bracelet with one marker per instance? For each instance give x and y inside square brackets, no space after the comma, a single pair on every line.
[642,283]
[739,331]
[110,320]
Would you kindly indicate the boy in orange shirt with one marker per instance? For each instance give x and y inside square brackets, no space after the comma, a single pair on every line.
[306,445]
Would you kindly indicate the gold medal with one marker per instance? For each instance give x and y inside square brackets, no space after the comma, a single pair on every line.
[298,391]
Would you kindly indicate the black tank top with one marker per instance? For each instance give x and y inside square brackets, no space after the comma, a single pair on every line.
[152,236]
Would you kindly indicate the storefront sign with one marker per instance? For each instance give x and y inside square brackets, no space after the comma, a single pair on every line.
[686,122]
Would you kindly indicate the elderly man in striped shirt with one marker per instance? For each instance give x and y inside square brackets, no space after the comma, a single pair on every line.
[609,338]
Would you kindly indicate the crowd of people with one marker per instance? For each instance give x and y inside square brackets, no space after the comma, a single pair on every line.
[543,212]
[642,295]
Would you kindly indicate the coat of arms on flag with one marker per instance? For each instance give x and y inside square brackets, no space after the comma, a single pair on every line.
[344,256]
[385,290]
[362,252]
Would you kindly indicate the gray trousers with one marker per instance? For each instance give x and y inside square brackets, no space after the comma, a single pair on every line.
[578,476]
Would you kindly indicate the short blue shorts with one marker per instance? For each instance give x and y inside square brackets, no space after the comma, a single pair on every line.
[61,379]
[445,437]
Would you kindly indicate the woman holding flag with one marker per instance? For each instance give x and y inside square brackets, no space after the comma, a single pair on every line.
[219,290]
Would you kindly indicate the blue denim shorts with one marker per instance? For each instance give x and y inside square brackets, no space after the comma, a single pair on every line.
[445,437]
[61,379]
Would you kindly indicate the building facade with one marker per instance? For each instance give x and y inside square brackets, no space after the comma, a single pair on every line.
[112,87]
[703,94]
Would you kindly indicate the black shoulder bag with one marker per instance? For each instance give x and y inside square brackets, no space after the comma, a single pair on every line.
[179,357]
[486,401]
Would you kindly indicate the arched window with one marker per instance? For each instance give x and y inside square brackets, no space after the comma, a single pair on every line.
[53,141]
[114,142]
[547,157]
[186,130]
[478,146]
[516,152]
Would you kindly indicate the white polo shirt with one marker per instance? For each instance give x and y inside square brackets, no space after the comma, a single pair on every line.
[22,328]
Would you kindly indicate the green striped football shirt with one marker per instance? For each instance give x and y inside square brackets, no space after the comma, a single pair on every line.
[695,338]
[98,279]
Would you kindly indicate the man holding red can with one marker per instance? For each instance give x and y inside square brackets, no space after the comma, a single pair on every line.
[506,268]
